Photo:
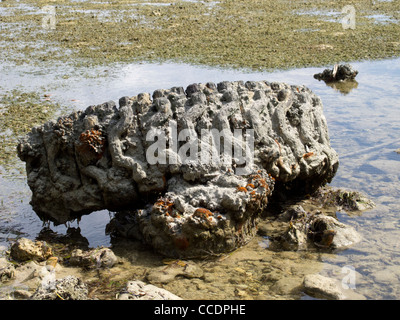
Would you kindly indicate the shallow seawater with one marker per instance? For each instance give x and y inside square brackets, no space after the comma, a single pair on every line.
[363,121]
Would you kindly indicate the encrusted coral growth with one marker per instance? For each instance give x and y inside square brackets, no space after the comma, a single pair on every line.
[166,206]
[126,157]
[94,139]
[181,224]
[91,146]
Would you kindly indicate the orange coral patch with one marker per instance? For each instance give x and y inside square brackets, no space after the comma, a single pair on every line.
[241,189]
[202,212]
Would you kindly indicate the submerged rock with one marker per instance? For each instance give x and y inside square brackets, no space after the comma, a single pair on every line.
[349,201]
[322,287]
[161,162]
[307,230]
[138,290]
[94,258]
[340,72]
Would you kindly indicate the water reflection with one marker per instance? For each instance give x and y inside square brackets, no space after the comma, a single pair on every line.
[72,237]
[343,87]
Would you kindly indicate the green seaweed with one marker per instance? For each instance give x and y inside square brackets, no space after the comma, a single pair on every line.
[19,112]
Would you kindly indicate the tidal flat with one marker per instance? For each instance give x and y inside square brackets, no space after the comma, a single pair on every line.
[254,34]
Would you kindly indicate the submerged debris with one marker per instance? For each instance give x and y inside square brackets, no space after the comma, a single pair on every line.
[174,268]
[7,270]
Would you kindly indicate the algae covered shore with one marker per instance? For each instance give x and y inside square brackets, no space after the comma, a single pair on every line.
[260,35]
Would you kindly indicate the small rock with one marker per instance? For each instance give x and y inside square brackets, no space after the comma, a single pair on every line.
[322,287]
[343,200]
[240,293]
[340,72]
[283,94]
[192,270]
[25,249]
[286,285]
[320,230]
[138,290]
[68,288]
[95,258]
[32,274]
